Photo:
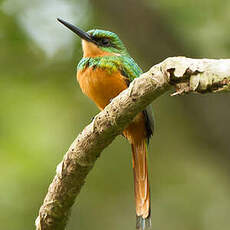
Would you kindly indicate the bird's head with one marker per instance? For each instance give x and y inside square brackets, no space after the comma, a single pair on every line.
[96,43]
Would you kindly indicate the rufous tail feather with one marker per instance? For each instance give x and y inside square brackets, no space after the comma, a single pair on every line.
[141,185]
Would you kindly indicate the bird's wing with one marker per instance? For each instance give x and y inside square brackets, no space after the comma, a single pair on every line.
[130,70]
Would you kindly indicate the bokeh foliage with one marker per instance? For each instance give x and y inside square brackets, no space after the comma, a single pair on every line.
[42,110]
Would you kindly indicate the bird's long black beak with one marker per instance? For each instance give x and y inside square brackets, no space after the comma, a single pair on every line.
[82,34]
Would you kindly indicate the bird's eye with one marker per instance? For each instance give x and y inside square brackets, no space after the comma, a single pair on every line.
[105,42]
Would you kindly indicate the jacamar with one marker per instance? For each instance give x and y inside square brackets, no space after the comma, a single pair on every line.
[105,70]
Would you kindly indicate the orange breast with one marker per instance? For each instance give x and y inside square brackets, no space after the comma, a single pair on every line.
[100,86]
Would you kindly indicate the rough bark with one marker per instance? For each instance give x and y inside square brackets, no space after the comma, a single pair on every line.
[184,74]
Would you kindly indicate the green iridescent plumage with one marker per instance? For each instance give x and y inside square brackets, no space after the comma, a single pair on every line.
[123,63]
[120,62]
[116,46]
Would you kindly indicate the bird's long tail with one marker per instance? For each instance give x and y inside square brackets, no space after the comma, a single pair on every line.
[141,185]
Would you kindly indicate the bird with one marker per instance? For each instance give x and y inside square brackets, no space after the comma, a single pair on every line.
[105,70]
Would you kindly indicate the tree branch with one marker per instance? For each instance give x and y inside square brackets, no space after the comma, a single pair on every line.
[185,74]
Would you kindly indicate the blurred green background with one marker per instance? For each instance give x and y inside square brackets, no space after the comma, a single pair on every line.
[42,110]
